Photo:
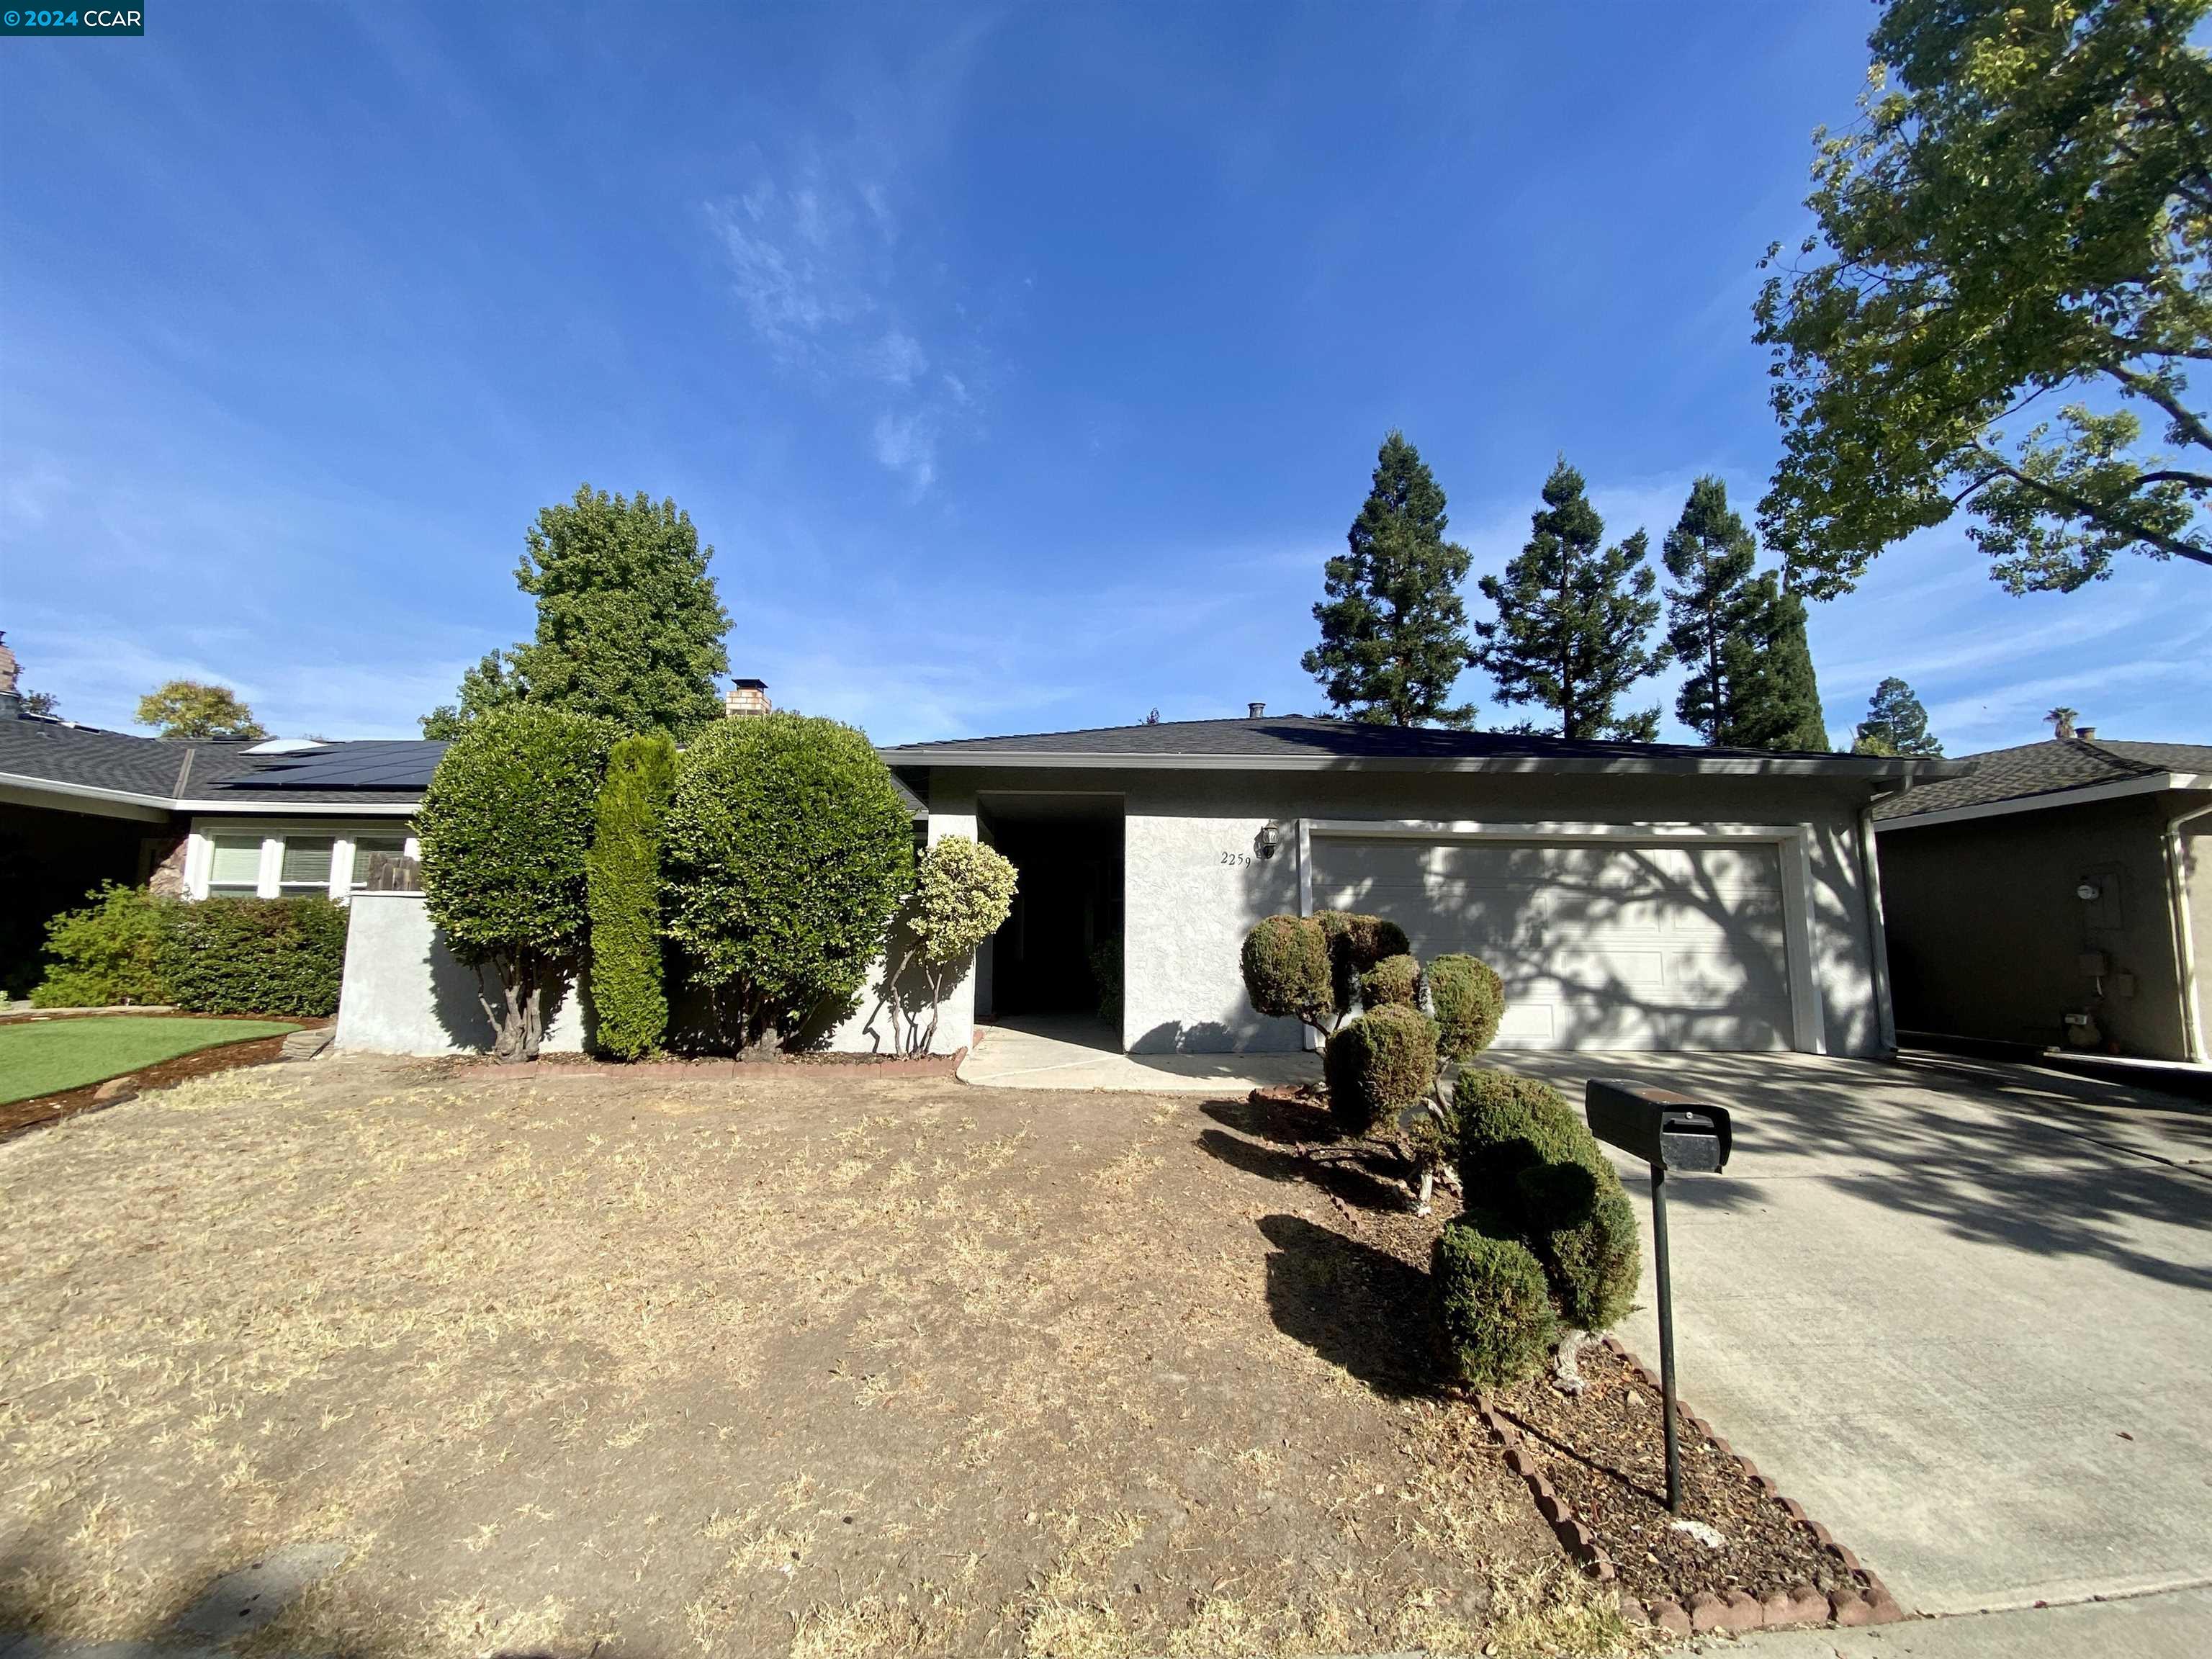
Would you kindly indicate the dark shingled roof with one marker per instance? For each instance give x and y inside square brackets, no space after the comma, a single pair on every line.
[1287,736]
[54,751]
[2055,768]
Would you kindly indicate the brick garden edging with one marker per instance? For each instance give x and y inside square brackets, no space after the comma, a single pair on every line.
[1865,1601]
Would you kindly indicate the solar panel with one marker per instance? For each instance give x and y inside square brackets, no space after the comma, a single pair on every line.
[364,765]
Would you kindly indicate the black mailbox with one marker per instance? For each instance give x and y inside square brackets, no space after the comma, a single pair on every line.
[1665,1129]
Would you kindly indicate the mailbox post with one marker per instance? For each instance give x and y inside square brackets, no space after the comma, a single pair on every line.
[1668,1132]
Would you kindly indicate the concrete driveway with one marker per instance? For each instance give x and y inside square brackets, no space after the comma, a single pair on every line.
[1963,1312]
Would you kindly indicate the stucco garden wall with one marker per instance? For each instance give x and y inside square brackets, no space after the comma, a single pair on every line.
[1195,884]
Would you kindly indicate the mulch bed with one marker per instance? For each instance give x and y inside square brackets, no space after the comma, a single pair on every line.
[1596,1462]
[22,1116]
[1604,1452]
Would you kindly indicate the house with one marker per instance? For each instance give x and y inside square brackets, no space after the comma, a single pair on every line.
[1633,895]
[2058,895]
[80,806]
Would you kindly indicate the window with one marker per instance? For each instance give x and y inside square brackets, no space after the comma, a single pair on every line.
[381,865]
[234,869]
[307,866]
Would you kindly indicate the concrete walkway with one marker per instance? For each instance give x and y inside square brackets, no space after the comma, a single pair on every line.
[2173,1624]
[1072,1052]
[1961,1311]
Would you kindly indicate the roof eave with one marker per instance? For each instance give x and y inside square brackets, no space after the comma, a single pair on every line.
[2086,794]
[1861,768]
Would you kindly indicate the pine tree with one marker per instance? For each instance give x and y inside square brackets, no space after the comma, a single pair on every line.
[1711,553]
[1573,620]
[1772,696]
[1894,718]
[1394,626]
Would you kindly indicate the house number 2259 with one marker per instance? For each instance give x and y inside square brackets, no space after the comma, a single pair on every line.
[1236,858]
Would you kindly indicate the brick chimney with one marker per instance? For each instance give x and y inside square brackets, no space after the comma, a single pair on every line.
[748,699]
[1255,711]
[2086,733]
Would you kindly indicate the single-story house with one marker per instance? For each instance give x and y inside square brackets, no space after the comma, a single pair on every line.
[80,806]
[2059,895]
[1633,895]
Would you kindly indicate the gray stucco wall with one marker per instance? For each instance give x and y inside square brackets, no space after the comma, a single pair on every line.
[1195,886]
[1986,933]
[404,993]
[2196,857]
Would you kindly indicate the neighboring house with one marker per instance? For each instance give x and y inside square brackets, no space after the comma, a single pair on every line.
[1633,895]
[80,806]
[2060,894]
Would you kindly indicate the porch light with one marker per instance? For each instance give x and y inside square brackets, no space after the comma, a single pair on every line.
[1270,839]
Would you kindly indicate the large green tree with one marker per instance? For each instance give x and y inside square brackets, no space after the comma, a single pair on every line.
[1773,698]
[2009,279]
[1710,554]
[629,625]
[1896,724]
[192,709]
[1394,626]
[1573,618]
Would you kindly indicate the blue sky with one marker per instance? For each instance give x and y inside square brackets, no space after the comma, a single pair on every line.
[1022,364]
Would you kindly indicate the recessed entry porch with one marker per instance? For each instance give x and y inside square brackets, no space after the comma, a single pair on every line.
[1053,971]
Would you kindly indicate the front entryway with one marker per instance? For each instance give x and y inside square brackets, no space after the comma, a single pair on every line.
[1059,953]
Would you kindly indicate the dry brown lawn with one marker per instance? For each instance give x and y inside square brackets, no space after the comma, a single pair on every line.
[822,1363]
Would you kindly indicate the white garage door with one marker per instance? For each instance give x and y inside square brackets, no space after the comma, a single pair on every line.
[1601,944]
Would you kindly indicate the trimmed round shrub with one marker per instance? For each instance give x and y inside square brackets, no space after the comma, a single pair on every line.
[1395,980]
[1491,1305]
[1506,1123]
[788,851]
[255,956]
[623,883]
[1355,944]
[1469,999]
[1526,1157]
[963,893]
[1286,970]
[506,826]
[106,953]
[1378,1066]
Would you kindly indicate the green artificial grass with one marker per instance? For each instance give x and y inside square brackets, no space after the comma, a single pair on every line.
[43,1057]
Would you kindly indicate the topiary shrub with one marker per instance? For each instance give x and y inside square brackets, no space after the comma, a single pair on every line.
[788,852]
[106,953]
[1355,944]
[1468,999]
[255,956]
[1378,1066]
[1527,1158]
[1395,980]
[964,892]
[622,891]
[1491,1305]
[506,826]
[1286,971]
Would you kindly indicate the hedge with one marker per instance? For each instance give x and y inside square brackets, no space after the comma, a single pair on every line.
[623,890]
[106,953]
[220,956]
[788,850]
[255,956]
[1355,944]
[1378,1066]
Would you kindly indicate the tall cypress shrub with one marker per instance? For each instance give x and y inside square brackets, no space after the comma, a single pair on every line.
[623,873]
